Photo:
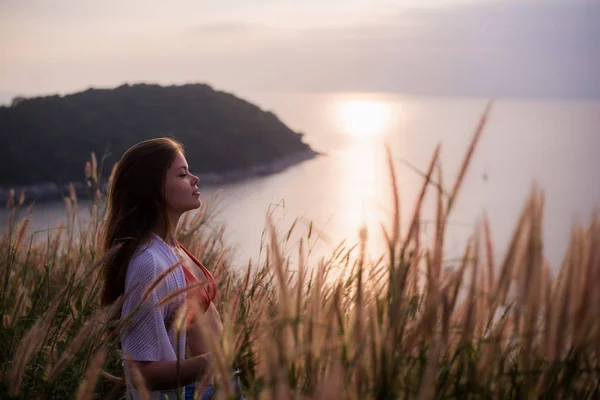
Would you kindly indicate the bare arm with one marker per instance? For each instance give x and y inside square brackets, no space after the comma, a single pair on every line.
[197,341]
[164,375]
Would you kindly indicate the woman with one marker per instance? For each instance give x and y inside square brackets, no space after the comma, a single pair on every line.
[152,187]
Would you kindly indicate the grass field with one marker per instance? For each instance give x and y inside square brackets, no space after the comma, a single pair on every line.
[412,325]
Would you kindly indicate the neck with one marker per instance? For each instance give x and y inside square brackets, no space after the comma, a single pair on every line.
[167,232]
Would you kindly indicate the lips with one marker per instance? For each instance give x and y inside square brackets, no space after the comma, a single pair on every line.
[196,193]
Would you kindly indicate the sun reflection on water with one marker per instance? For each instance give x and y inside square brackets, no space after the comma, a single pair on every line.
[364,117]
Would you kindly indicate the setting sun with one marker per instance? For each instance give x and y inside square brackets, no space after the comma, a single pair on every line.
[364,117]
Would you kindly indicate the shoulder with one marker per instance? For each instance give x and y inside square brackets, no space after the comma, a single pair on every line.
[150,260]
[143,266]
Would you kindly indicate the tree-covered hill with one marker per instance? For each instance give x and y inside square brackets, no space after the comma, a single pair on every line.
[49,139]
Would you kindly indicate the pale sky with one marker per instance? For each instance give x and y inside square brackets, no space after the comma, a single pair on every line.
[533,48]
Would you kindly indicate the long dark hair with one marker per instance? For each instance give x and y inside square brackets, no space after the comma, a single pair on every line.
[136,205]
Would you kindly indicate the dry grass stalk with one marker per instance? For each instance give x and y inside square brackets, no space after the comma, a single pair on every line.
[31,342]
[468,156]
[137,379]
[17,308]
[22,230]
[87,333]
[491,279]
[427,389]
[510,260]
[416,214]
[221,363]
[176,294]
[470,316]
[94,167]
[86,387]
[332,386]
[285,338]
[438,249]
[394,239]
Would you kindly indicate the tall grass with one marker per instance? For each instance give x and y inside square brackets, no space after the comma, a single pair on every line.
[408,326]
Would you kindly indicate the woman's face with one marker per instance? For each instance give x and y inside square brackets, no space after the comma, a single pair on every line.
[181,192]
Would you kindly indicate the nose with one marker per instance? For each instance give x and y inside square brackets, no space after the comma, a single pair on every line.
[195,180]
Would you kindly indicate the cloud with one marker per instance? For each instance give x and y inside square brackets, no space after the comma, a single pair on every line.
[508,48]
[494,49]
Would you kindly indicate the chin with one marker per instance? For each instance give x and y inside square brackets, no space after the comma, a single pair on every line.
[197,205]
[192,205]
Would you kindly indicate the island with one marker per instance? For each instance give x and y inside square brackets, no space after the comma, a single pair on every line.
[46,141]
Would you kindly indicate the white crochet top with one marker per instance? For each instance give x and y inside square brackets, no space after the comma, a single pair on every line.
[148,339]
